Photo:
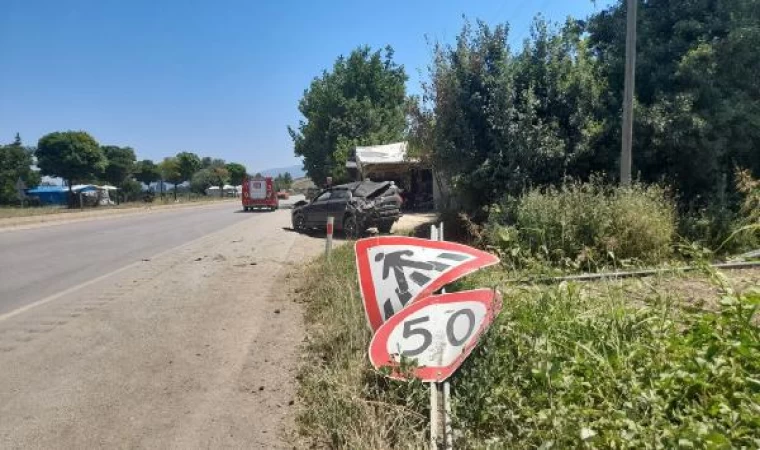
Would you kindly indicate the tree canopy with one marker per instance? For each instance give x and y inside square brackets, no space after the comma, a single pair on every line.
[360,102]
[146,171]
[497,120]
[171,172]
[283,181]
[72,155]
[189,163]
[236,173]
[15,164]
[120,164]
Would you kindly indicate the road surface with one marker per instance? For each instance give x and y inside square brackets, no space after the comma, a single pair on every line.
[166,330]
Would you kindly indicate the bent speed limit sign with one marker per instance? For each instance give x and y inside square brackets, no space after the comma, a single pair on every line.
[439,332]
[396,271]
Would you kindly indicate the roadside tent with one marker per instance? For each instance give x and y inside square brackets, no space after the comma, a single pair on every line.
[212,190]
[49,195]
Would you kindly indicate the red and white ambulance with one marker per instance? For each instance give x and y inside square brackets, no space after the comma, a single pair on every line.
[259,193]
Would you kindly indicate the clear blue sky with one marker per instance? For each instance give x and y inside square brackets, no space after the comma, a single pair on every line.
[219,78]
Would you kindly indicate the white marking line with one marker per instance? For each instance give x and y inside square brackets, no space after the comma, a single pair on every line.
[72,289]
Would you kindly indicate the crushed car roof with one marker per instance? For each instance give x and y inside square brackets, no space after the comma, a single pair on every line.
[364,188]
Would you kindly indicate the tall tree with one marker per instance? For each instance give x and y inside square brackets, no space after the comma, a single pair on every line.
[146,171]
[236,172]
[697,90]
[72,155]
[171,172]
[360,102]
[189,163]
[220,176]
[501,121]
[120,164]
[15,164]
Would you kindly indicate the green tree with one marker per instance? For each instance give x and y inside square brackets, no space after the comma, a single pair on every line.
[360,102]
[697,110]
[146,171]
[283,181]
[210,176]
[171,172]
[500,121]
[189,163]
[220,176]
[236,172]
[120,164]
[15,164]
[72,155]
[131,190]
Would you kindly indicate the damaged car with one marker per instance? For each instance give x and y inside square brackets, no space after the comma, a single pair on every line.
[355,207]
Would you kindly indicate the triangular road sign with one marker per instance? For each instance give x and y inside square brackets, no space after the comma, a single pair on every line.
[395,271]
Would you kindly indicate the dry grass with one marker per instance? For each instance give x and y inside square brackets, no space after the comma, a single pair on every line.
[346,403]
[14,211]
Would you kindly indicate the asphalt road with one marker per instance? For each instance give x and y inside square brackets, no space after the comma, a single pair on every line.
[195,348]
[37,263]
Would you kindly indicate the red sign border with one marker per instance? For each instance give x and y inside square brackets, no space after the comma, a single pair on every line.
[378,353]
[372,309]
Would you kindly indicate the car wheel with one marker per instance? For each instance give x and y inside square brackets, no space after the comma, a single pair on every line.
[299,222]
[350,227]
[385,228]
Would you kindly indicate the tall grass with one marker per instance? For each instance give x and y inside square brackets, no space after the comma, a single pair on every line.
[586,223]
[346,403]
[564,369]
[561,367]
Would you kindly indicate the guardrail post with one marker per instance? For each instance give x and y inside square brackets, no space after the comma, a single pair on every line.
[329,239]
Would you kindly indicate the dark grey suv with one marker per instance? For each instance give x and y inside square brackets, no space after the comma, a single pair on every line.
[356,207]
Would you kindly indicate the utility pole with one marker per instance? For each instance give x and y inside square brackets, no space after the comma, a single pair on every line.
[630,72]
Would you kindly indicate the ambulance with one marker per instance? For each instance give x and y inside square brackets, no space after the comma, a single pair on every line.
[258,193]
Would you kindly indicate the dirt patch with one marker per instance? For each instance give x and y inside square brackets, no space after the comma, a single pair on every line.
[693,290]
[413,221]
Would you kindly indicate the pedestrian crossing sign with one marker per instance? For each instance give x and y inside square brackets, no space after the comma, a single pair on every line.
[396,271]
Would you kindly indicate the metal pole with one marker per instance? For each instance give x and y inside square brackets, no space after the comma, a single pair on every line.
[447,431]
[329,239]
[630,72]
[435,421]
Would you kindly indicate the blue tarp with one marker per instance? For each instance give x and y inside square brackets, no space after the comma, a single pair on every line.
[50,195]
[56,195]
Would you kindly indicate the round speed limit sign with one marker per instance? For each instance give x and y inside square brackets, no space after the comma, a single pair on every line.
[439,332]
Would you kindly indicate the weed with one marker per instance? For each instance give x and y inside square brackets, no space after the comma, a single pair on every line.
[347,403]
[584,225]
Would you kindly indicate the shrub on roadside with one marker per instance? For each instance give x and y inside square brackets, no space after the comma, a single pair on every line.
[585,223]
[563,369]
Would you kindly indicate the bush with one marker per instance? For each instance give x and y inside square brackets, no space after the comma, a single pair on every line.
[586,223]
[729,223]
[564,369]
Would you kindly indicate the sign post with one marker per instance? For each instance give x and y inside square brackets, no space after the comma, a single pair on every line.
[398,279]
[329,237]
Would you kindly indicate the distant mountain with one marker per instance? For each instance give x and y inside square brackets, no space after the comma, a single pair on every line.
[295,171]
